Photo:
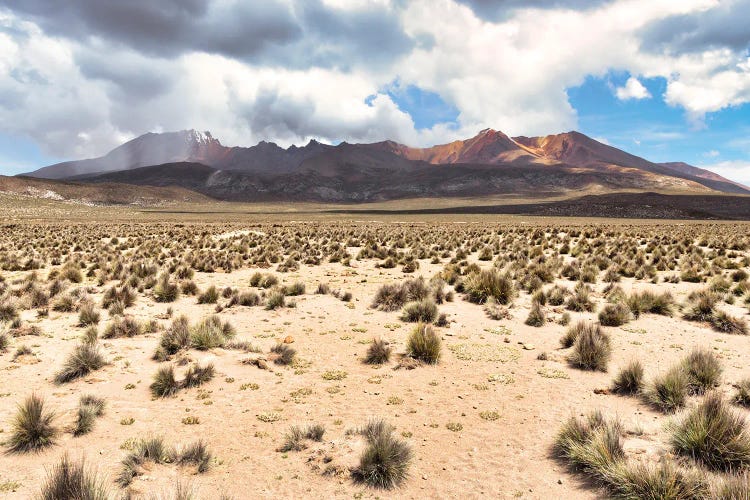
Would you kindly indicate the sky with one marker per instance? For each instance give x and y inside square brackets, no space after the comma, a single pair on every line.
[668,80]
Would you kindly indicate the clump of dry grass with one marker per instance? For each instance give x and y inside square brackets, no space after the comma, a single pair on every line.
[378,352]
[32,427]
[481,285]
[89,408]
[72,480]
[714,435]
[385,461]
[85,358]
[424,311]
[424,344]
[591,349]
[629,379]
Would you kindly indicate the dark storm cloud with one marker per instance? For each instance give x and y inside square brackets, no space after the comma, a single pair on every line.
[724,26]
[365,36]
[166,27]
[496,10]
[134,76]
[307,33]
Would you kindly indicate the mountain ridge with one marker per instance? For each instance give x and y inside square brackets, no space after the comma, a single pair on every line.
[442,170]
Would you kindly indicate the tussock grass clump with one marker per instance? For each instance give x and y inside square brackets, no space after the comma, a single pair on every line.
[424,344]
[63,303]
[581,301]
[669,391]
[378,352]
[294,439]
[210,333]
[196,453]
[385,461]
[296,288]
[391,297]
[284,354]
[742,396]
[727,323]
[480,286]
[197,375]
[629,379]
[556,295]
[649,302]
[165,384]
[174,339]
[165,290]
[8,310]
[664,480]
[89,408]
[4,341]
[188,287]
[209,296]
[90,336]
[614,314]
[701,306]
[731,487]
[275,300]
[152,450]
[72,480]
[246,299]
[424,311]
[122,327]
[703,369]
[32,427]
[84,359]
[573,332]
[88,315]
[124,295]
[714,435]
[591,349]
[593,445]
[536,315]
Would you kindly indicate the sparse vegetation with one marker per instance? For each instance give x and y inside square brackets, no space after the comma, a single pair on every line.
[73,480]
[33,427]
[714,435]
[385,461]
[591,349]
[629,379]
[378,352]
[424,344]
[84,359]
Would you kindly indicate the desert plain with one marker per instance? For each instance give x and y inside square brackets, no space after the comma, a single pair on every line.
[258,352]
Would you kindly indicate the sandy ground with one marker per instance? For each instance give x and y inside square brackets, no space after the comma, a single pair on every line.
[496,370]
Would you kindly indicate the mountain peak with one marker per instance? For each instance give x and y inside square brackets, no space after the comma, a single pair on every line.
[198,137]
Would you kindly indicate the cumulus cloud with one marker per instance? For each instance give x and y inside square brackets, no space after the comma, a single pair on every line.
[80,76]
[738,170]
[633,89]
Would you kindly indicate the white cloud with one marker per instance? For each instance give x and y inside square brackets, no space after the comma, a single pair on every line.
[633,89]
[80,96]
[735,170]
[711,154]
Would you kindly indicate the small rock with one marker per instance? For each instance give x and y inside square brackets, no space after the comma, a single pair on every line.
[289,339]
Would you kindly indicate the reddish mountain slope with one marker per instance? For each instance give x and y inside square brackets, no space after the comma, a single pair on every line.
[574,152]
[489,147]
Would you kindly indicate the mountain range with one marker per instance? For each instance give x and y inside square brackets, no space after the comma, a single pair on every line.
[490,163]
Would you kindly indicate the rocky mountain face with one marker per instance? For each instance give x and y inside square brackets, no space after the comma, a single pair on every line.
[491,163]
